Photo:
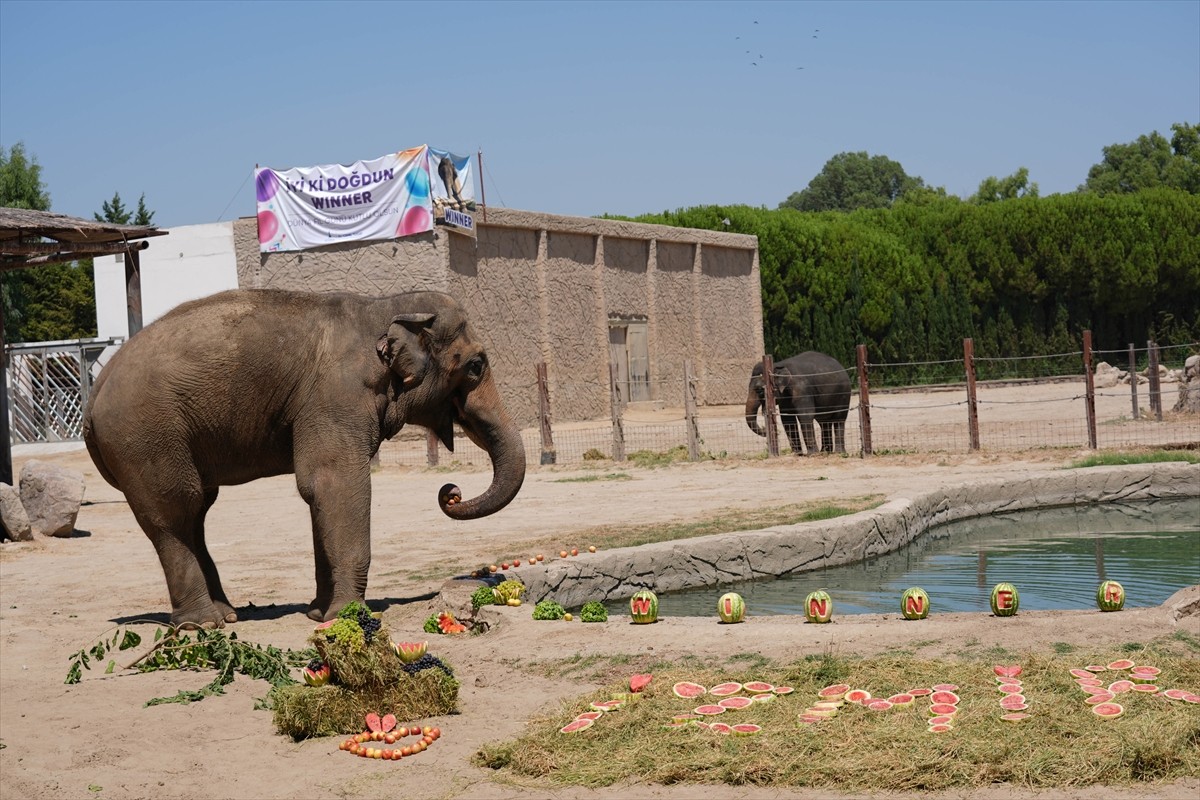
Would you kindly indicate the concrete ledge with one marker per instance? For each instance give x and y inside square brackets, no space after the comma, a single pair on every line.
[746,555]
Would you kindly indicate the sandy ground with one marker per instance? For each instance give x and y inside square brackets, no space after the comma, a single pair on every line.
[96,739]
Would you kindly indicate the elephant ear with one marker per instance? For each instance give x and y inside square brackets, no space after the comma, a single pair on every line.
[403,349]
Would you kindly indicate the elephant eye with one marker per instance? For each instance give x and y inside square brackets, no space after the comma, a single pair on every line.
[475,367]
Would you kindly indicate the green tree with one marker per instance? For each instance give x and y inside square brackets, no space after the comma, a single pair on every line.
[993,189]
[20,187]
[1148,163]
[143,216]
[114,211]
[854,180]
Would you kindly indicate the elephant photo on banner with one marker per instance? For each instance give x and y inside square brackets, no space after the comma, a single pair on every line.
[246,384]
[809,387]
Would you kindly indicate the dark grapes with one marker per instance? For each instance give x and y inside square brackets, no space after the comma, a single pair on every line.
[316,664]
[425,662]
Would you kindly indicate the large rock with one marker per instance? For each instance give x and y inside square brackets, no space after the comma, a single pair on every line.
[51,496]
[12,513]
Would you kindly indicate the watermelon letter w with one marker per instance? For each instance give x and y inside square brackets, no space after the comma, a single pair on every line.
[641,605]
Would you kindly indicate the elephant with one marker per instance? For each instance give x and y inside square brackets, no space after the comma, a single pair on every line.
[809,387]
[249,383]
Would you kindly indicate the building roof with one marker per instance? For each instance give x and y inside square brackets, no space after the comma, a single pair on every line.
[31,238]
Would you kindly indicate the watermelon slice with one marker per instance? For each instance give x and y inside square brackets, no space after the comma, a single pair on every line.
[1108,710]
[811,719]
[607,705]
[941,719]
[1095,668]
[1191,698]
[709,710]
[858,696]
[943,709]
[746,729]
[814,711]
[879,705]
[577,726]
[388,723]
[1080,672]
[1014,702]
[1175,694]
[1095,690]
[940,728]
[1117,687]
[758,687]
[945,687]
[1145,688]
[1100,699]
[1089,681]
[688,690]
[832,704]
[725,689]
[1014,717]
[765,697]
[639,682]
[901,699]
[1147,670]
[735,702]
[720,727]
[783,690]
[592,715]
[1007,671]
[835,692]
[1121,663]
[944,697]
[1010,688]
[374,724]
[920,692]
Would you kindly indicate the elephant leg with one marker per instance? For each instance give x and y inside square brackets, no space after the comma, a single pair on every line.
[211,578]
[338,493]
[825,431]
[791,426]
[810,439]
[839,436]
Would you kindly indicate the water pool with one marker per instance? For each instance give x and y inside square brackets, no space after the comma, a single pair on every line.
[1056,557]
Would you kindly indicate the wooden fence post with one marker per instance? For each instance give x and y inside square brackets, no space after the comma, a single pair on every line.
[549,455]
[1133,380]
[618,426]
[972,403]
[769,406]
[1155,383]
[689,410]
[1089,402]
[864,400]
[431,448]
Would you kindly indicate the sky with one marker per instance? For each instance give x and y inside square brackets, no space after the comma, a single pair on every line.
[581,108]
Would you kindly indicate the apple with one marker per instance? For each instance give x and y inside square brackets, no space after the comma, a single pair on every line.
[516,562]
[406,750]
[541,557]
[574,551]
[492,568]
[592,548]
[562,553]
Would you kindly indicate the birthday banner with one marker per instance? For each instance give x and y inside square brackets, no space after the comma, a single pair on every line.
[384,198]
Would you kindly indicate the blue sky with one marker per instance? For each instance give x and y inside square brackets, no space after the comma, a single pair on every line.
[582,108]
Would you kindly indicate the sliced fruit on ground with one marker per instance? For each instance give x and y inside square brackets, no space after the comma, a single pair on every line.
[1121,663]
[834,704]
[1099,699]
[783,690]
[688,690]
[834,692]
[1016,716]
[719,727]
[1095,690]
[821,712]
[1007,670]
[1145,670]
[1175,694]
[944,697]
[591,715]
[1095,668]
[941,719]
[765,697]
[387,723]
[1080,672]
[940,728]
[700,724]
[735,702]
[577,725]
[1089,681]
[676,726]
[373,722]
[811,719]
[1117,687]
[1108,710]
[1014,702]
[879,705]
[1191,698]
[943,709]
[1010,688]
[901,699]
[607,705]
[746,729]
[685,717]
[757,687]
[709,710]
[639,682]
[920,692]
[1145,688]
[857,695]
[725,689]
[945,687]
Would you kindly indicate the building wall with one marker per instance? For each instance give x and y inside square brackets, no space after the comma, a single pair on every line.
[543,287]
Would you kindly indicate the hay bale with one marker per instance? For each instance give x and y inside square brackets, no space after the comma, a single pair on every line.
[304,712]
[371,666]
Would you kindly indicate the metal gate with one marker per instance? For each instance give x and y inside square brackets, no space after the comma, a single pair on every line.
[48,385]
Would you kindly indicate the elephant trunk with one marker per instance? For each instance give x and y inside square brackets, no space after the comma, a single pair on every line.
[488,425]
[753,403]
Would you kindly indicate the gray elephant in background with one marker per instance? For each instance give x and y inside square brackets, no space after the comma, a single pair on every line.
[809,387]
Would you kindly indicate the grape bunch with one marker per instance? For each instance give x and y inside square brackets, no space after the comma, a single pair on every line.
[316,664]
[369,626]
[425,662]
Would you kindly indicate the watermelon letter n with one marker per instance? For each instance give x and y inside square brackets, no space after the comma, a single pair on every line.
[818,607]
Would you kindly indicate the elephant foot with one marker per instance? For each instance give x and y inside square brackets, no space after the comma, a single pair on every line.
[324,613]
[226,611]
[200,619]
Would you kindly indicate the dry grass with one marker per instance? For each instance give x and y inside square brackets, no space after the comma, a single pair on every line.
[1062,745]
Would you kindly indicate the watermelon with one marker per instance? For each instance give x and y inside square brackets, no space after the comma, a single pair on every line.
[577,725]
[811,719]
[1094,690]
[1014,717]
[944,697]
[940,728]
[1175,694]
[1089,682]
[1108,710]
[1117,687]
[1098,699]
[945,687]
[1095,668]
[920,692]
[731,607]
[901,699]
[783,690]
[879,705]
[643,607]
[1121,663]
[1010,688]
[592,715]
[1110,596]
[709,710]
[1014,702]
[1191,698]
[821,712]
[746,729]
[765,697]
[319,676]
[1005,601]
[725,689]
[818,606]
[941,720]
[735,702]
[607,705]
[408,652]
[1145,688]
[943,709]
[639,682]
[914,603]
[720,727]
[1153,672]
[374,723]
[832,704]
[1007,671]
[834,692]
[757,687]
[859,695]
[1079,672]
[688,690]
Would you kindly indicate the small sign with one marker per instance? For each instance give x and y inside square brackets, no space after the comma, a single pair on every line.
[461,221]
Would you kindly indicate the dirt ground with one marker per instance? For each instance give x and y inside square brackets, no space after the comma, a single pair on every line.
[96,739]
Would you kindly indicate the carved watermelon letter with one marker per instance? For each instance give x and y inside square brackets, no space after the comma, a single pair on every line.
[818,607]
[914,603]
[643,607]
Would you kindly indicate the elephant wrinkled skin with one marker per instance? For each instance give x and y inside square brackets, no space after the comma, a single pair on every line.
[251,383]
[809,387]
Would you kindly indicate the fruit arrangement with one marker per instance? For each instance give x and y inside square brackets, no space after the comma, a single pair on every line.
[508,591]
[385,730]
[731,607]
[1110,596]
[818,606]
[1005,600]
[643,607]
[914,603]
[408,652]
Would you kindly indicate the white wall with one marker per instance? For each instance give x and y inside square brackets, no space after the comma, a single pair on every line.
[189,262]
